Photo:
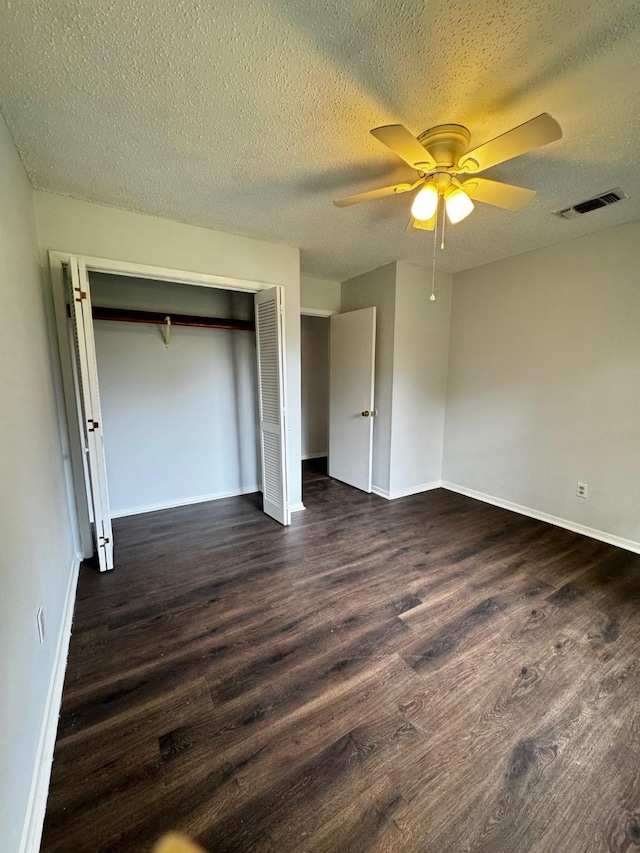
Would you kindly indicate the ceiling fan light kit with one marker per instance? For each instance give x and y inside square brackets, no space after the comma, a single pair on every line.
[458,204]
[442,153]
[425,203]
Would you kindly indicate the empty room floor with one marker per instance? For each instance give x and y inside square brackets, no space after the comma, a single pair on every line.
[428,674]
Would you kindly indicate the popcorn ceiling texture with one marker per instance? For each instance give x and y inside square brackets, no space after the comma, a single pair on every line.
[251,116]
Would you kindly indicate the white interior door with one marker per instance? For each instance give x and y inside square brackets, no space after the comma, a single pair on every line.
[351,397]
[92,419]
[271,391]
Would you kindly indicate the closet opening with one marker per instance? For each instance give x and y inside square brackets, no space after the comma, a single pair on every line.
[178,392]
[174,390]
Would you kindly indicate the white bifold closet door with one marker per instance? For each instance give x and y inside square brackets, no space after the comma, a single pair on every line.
[271,391]
[91,417]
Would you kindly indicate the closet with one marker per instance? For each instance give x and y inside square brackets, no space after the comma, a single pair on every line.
[176,391]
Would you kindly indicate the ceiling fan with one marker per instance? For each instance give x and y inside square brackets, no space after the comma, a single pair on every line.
[441,154]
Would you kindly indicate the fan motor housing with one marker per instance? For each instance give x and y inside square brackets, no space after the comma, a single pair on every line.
[446,143]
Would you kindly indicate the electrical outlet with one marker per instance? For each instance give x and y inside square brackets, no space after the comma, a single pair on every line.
[582,490]
[40,621]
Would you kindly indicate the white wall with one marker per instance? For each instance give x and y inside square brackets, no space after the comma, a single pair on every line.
[544,381]
[36,547]
[180,423]
[315,385]
[421,351]
[89,229]
[377,288]
[320,293]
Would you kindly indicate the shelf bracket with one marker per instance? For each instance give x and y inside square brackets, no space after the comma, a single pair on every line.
[166,331]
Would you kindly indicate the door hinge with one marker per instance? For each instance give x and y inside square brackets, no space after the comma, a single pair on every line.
[92,425]
[104,540]
[83,294]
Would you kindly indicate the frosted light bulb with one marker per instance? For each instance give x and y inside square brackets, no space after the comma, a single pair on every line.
[433,297]
[425,203]
[458,204]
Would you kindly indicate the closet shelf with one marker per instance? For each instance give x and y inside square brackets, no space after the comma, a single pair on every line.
[128,315]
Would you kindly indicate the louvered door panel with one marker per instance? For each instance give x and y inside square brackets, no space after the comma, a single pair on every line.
[271,384]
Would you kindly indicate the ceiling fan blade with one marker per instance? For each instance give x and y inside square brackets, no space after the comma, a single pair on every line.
[403,143]
[379,193]
[532,134]
[494,192]
[420,225]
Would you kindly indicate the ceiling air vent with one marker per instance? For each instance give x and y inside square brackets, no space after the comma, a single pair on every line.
[610,197]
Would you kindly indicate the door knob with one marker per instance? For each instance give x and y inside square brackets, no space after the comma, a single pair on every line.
[366,413]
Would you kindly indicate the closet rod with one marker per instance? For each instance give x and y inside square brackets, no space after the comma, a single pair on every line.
[128,315]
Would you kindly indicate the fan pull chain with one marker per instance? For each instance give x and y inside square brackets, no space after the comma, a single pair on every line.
[444,219]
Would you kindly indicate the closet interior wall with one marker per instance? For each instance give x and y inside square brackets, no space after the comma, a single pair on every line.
[180,421]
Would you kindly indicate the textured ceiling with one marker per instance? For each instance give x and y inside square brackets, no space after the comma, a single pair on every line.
[250,117]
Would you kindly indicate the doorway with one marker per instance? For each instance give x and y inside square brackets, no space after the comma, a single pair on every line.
[72,283]
[314,385]
[177,375]
[337,383]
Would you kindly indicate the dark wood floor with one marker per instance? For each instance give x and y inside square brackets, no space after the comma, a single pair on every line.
[427,674]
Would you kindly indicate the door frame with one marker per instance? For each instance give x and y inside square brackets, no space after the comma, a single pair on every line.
[323,313]
[57,262]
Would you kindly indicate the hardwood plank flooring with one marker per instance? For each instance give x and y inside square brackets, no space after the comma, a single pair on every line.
[428,674]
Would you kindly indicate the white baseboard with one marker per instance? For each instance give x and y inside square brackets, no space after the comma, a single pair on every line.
[34,819]
[314,455]
[600,535]
[297,507]
[405,493]
[216,496]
